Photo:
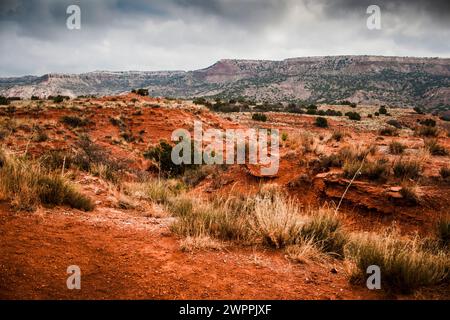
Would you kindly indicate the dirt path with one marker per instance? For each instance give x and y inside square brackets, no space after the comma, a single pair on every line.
[125,256]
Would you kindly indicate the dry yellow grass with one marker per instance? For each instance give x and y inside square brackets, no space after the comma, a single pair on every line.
[305,253]
[405,263]
[26,185]
[192,244]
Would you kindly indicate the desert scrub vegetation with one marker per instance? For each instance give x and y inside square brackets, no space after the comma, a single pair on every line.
[8,126]
[39,135]
[396,147]
[302,141]
[443,232]
[405,263]
[435,149]
[305,253]
[26,184]
[428,122]
[74,121]
[395,123]
[427,131]
[321,122]
[259,117]
[337,135]
[409,192]
[4,101]
[445,173]
[191,244]
[91,157]
[348,157]
[160,154]
[268,218]
[377,170]
[86,156]
[382,110]
[156,190]
[388,131]
[58,98]
[355,160]
[193,175]
[352,115]
[407,169]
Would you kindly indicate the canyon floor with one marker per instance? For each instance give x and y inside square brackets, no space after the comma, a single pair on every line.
[125,246]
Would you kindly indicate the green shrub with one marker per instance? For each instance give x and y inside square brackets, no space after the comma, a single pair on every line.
[161,154]
[419,110]
[59,98]
[74,121]
[445,173]
[141,92]
[331,112]
[445,117]
[259,117]
[428,123]
[394,123]
[353,116]
[3,100]
[199,101]
[321,122]
[382,110]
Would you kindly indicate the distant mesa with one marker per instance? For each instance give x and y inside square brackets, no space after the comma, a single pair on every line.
[397,81]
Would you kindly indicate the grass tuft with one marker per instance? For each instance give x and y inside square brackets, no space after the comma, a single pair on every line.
[26,184]
[405,264]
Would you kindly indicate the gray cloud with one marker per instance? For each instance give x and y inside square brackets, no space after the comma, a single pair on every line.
[434,9]
[190,34]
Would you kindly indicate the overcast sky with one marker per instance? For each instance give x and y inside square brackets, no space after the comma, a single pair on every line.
[193,34]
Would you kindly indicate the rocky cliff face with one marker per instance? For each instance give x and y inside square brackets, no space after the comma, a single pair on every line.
[399,81]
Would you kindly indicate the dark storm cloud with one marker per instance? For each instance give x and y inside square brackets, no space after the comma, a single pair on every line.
[189,34]
[249,12]
[434,9]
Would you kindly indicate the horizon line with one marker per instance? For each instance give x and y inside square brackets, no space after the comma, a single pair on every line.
[225,59]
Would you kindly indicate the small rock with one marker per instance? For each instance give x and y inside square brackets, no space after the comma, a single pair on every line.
[98,191]
[333,270]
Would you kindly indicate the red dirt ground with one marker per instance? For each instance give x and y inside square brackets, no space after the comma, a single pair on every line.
[125,255]
[122,256]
